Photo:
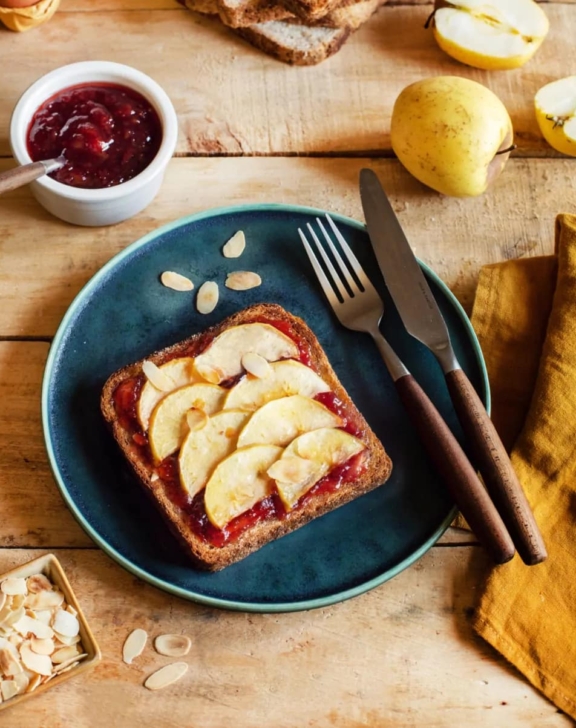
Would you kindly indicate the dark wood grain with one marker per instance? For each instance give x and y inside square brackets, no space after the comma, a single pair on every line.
[456,470]
[496,469]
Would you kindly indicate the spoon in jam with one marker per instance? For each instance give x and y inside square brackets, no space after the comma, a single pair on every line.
[27,173]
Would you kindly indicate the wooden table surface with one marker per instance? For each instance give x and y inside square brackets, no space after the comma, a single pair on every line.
[252,129]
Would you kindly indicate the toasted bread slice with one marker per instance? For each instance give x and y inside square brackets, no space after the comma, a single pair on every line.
[374,470]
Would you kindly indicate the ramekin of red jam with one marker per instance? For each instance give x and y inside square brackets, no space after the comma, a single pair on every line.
[117,130]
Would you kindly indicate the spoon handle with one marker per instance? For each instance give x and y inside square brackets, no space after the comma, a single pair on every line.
[22,175]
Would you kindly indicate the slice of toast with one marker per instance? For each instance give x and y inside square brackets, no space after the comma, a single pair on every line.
[374,469]
[251,12]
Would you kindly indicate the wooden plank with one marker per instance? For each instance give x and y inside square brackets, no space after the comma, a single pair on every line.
[45,262]
[33,513]
[403,655]
[236,100]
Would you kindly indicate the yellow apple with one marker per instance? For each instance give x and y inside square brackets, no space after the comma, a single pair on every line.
[452,134]
[556,114]
[490,34]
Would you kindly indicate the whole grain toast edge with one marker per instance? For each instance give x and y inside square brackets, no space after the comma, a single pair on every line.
[377,469]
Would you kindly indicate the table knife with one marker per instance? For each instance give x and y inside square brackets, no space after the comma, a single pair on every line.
[423,320]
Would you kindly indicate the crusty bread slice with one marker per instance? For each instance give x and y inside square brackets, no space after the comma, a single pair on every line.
[376,464]
[251,12]
[298,45]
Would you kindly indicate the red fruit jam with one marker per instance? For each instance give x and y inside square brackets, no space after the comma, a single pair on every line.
[125,400]
[108,134]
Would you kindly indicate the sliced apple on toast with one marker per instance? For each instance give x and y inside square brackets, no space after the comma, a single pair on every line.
[180,372]
[223,357]
[203,449]
[168,422]
[239,482]
[281,420]
[287,378]
[309,458]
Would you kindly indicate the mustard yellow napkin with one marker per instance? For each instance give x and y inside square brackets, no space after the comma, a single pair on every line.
[20,19]
[525,317]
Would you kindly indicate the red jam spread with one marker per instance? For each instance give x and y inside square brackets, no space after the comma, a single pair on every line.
[107,133]
[126,398]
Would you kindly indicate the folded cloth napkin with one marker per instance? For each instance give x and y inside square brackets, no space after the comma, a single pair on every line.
[525,317]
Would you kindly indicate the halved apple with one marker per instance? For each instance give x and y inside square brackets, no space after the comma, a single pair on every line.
[203,449]
[287,378]
[280,421]
[239,482]
[490,34]
[556,114]
[180,371]
[168,425]
[325,449]
[223,358]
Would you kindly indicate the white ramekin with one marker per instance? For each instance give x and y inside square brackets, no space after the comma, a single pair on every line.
[108,205]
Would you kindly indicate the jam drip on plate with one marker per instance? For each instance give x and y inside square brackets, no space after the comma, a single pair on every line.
[125,402]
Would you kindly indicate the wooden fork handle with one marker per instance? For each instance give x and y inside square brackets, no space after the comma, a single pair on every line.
[20,176]
[455,470]
[496,469]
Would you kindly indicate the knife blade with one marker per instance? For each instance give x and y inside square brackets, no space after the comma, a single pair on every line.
[422,319]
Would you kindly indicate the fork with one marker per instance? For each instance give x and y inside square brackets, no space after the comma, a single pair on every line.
[359,307]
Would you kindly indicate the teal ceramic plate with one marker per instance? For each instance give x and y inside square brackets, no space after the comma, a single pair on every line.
[124,313]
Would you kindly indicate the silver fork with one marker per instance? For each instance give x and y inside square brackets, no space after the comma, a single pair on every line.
[358,306]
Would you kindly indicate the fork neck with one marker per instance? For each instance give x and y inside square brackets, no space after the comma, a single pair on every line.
[391,359]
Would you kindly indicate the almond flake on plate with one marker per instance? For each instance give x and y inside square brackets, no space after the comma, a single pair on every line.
[65,654]
[176,281]
[242,280]
[38,583]
[134,645]
[43,646]
[235,246]
[207,297]
[172,645]
[157,378]
[65,623]
[40,664]
[166,675]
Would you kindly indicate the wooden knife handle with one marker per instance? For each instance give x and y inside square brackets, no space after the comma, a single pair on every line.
[455,470]
[496,469]
[20,176]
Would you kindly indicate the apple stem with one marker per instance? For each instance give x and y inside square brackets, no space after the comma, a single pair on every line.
[511,148]
[430,18]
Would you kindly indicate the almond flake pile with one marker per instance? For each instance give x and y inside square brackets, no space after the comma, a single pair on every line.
[39,634]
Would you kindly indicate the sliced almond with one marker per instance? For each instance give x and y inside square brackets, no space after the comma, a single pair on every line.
[42,615]
[6,658]
[65,623]
[14,585]
[166,676]
[135,643]
[172,645]
[235,246]
[42,646]
[2,600]
[176,281]
[22,681]
[71,610]
[243,280]
[26,625]
[207,297]
[7,645]
[293,470]
[157,378]
[34,682]
[16,639]
[65,654]
[14,617]
[63,640]
[213,375]
[17,601]
[65,666]
[256,365]
[38,583]
[44,600]
[40,664]
[196,419]
[9,689]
